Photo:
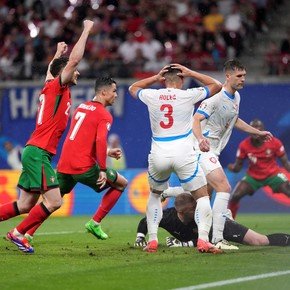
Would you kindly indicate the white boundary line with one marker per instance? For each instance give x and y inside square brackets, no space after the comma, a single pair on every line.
[234,281]
[56,233]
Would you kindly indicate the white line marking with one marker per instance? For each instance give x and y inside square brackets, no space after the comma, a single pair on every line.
[56,233]
[234,281]
[60,233]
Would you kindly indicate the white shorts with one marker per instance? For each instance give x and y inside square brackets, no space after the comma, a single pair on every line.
[186,167]
[209,162]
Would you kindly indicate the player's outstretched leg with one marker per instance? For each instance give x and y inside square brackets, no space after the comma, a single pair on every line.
[20,242]
[95,229]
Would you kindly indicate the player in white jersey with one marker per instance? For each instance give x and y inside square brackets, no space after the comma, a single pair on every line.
[170,111]
[213,123]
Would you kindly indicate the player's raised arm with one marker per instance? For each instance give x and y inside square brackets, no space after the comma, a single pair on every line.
[77,53]
[213,85]
[60,51]
[145,83]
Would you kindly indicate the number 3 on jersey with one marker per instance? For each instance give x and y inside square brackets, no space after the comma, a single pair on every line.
[168,110]
[79,117]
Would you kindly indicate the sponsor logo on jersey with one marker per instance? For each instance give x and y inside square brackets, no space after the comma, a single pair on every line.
[213,160]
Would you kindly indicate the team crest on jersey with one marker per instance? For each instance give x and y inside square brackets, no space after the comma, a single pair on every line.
[268,152]
[52,179]
[108,126]
[213,160]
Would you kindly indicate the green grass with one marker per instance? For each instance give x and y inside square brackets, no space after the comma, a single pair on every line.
[79,261]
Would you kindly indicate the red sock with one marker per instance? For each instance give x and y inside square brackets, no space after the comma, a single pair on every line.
[234,207]
[38,214]
[33,229]
[107,203]
[8,210]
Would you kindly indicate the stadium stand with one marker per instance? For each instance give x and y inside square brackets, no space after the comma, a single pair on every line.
[198,33]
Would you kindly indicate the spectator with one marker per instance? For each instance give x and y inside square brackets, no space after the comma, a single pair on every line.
[213,19]
[117,164]
[285,43]
[128,49]
[234,31]
[13,155]
[150,46]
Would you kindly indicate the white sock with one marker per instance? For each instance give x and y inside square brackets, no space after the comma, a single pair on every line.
[173,191]
[153,215]
[219,210]
[203,217]
[17,234]
[96,223]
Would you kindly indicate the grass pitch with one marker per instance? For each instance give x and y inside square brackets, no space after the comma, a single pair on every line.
[66,257]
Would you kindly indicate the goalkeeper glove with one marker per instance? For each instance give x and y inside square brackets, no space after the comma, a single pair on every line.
[173,243]
[140,242]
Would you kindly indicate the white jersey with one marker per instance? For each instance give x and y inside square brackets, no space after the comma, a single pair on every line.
[221,113]
[170,113]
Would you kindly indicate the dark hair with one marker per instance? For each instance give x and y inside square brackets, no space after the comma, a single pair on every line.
[171,75]
[233,64]
[57,65]
[103,82]
[182,200]
[257,123]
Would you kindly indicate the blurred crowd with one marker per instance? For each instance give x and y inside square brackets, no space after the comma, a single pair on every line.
[131,38]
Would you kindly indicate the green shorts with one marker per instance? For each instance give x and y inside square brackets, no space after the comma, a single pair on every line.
[68,181]
[274,181]
[37,174]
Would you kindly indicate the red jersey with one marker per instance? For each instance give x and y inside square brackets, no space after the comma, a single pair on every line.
[262,160]
[86,142]
[52,116]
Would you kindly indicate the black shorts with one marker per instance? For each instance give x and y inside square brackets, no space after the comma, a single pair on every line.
[234,232]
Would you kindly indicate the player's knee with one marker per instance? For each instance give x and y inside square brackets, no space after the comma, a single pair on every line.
[123,184]
[53,204]
[25,207]
[259,240]
[224,186]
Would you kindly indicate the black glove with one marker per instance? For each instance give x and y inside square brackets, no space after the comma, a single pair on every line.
[172,242]
[140,242]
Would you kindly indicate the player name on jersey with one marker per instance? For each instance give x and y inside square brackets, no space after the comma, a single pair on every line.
[167,97]
[87,107]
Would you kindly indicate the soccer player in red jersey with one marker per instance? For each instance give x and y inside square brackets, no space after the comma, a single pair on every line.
[84,154]
[38,176]
[263,168]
